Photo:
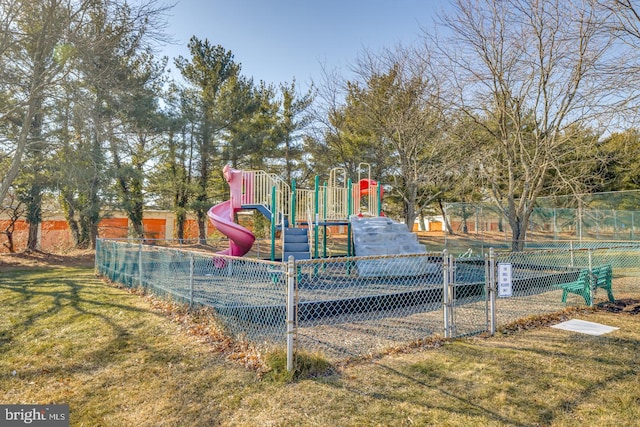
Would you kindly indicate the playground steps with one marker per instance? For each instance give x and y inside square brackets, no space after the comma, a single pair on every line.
[296,243]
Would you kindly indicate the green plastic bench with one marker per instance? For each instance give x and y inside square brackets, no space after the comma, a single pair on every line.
[603,276]
[581,286]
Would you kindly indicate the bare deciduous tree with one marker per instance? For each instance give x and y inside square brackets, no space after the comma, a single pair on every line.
[532,75]
[13,209]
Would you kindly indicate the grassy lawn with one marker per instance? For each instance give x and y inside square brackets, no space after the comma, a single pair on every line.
[118,359]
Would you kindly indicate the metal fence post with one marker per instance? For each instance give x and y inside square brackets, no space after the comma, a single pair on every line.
[491,287]
[453,332]
[112,261]
[291,278]
[191,271]
[445,294]
[571,254]
[140,281]
[98,255]
[592,281]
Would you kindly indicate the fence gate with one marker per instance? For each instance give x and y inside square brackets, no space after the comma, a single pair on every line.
[465,297]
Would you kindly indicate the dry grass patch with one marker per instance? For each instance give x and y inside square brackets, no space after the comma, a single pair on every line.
[66,337]
[123,359]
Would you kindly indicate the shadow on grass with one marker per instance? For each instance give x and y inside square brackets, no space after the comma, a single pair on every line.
[448,402]
[515,384]
[48,299]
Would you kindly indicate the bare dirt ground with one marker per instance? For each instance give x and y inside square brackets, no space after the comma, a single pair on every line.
[628,306]
[75,258]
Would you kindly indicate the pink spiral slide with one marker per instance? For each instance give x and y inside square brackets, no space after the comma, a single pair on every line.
[221,216]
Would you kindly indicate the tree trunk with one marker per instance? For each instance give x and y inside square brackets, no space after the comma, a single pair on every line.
[201,199]
[16,160]
[410,214]
[135,217]
[9,243]
[93,234]
[94,214]
[423,222]
[90,218]
[84,239]
[444,218]
[202,232]
[34,216]
[409,202]
[14,211]
[465,226]
[518,232]
[181,218]
[32,239]
[70,217]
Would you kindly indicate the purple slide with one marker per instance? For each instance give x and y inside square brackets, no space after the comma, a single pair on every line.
[221,216]
[240,239]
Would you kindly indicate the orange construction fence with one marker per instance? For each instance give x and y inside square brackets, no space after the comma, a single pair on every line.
[54,234]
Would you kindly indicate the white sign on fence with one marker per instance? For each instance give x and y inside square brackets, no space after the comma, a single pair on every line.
[505,288]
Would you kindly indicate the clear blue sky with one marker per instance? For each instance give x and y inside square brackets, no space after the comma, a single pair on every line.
[277,40]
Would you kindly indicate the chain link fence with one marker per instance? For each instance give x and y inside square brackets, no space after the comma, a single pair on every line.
[345,307]
[353,306]
[601,217]
[248,294]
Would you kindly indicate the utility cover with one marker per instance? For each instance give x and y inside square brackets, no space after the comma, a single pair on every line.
[584,327]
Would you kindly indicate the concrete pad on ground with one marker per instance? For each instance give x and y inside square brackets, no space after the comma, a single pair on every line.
[584,327]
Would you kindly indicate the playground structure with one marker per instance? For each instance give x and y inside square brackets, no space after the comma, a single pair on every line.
[377,295]
[302,216]
[388,291]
